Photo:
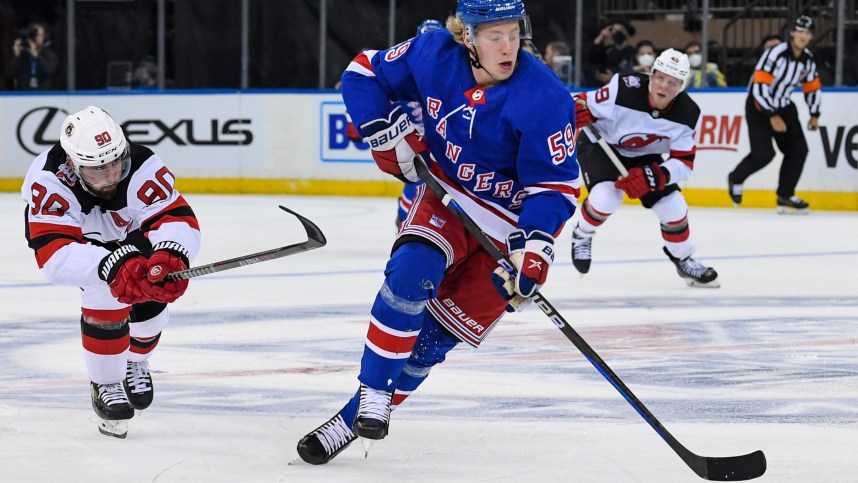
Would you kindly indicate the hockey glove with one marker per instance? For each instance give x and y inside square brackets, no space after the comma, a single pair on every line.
[394,142]
[643,180]
[124,270]
[167,257]
[352,132]
[583,116]
[532,255]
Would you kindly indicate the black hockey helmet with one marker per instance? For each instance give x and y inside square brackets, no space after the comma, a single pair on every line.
[803,22]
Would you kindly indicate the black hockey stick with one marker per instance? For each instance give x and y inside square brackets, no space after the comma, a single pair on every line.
[731,468]
[315,239]
[608,151]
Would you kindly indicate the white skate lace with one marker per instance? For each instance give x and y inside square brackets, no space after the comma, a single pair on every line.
[581,248]
[334,434]
[693,267]
[374,404]
[112,394]
[137,376]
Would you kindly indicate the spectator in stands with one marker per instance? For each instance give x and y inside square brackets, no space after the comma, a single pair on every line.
[529,46]
[769,41]
[611,51]
[558,57]
[33,62]
[644,57]
[711,76]
[146,74]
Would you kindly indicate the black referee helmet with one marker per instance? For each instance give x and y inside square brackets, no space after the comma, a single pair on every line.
[803,22]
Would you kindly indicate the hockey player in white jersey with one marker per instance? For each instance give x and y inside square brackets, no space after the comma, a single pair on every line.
[103,215]
[642,119]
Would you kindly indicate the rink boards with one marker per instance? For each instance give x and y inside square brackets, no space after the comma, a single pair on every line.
[294,142]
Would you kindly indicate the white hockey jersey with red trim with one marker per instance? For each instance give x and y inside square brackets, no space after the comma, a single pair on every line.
[633,127]
[71,230]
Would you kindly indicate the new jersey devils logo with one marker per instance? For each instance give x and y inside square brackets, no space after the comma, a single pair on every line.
[118,220]
[638,140]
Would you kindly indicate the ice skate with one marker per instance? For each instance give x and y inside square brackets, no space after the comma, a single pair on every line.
[373,415]
[735,190]
[327,441]
[111,405]
[138,385]
[793,205]
[581,252]
[693,272]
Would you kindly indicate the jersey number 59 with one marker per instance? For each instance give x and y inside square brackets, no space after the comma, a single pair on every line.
[562,144]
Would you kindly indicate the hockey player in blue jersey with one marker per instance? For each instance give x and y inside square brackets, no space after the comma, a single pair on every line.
[499,136]
[415,113]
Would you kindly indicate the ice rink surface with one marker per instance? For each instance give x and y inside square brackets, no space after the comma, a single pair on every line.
[257,356]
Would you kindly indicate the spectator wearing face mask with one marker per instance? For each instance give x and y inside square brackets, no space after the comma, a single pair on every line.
[710,77]
[558,56]
[644,57]
[611,52]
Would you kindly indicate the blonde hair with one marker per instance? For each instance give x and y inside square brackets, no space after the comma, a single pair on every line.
[457,28]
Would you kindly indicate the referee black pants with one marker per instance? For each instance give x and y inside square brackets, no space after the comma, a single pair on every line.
[791,143]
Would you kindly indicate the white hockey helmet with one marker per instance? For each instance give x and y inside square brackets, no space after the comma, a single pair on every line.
[675,64]
[92,139]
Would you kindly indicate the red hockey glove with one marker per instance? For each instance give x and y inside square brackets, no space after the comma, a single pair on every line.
[532,255]
[352,132]
[394,142]
[583,116]
[167,257]
[124,270]
[643,180]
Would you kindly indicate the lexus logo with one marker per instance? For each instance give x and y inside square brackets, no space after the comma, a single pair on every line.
[33,126]
[39,129]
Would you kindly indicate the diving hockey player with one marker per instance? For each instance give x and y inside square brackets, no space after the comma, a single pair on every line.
[641,118]
[499,129]
[103,214]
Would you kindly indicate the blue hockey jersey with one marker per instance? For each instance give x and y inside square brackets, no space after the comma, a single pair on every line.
[506,153]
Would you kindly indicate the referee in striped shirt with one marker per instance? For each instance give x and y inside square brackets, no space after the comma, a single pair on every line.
[771,115]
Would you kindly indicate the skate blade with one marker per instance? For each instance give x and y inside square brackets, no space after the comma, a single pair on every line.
[694,283]
[367,445]
[115,428]
[783,210]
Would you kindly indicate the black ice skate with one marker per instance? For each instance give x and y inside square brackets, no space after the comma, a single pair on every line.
[325,442]
[373,415]
[794,205]
[735,191]
[693,272]
[581,252]
[138,384]
[112,406]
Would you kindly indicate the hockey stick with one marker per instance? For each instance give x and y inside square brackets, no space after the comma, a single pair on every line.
[315,239]
[610,152]
[731,468]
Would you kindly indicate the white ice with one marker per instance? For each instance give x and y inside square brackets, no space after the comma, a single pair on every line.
[257,356]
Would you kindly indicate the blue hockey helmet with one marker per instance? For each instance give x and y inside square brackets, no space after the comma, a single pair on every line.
[429,25]
[477,12]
